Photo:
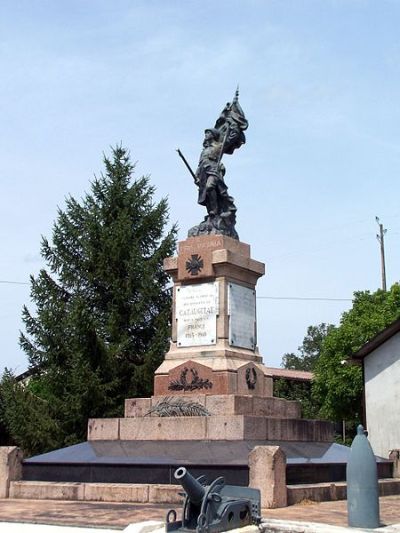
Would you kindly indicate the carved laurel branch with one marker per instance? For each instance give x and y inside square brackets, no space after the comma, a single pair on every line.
[170,406]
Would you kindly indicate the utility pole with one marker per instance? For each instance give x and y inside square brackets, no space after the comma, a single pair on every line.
[381,240]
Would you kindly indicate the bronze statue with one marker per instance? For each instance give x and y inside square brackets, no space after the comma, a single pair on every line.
[223,138]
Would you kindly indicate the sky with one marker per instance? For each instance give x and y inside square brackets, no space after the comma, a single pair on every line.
[319,84]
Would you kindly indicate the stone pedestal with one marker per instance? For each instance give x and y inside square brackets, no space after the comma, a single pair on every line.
[214,332]
[394,456]
[213,369]
[10,468]
[267,472]
[213,360]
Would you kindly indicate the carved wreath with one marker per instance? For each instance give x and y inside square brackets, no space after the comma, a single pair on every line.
[251,378]
[196,383]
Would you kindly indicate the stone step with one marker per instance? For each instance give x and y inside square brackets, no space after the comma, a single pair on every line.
[223,404]
[232,427]
[324,492]
[106,492]
[146,493]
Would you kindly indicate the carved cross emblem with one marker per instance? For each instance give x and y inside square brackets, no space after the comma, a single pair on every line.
[194,265]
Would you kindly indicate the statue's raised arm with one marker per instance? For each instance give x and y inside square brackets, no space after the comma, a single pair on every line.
[224,138]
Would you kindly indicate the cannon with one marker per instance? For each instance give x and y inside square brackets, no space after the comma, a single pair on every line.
[213,508]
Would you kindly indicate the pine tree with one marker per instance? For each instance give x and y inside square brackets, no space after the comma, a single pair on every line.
[102,317]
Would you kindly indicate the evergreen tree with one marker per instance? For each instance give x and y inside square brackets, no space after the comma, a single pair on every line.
[102,319]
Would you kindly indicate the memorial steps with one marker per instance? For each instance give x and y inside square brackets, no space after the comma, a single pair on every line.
[134,458]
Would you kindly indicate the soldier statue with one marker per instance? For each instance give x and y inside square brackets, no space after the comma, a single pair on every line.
[223,138]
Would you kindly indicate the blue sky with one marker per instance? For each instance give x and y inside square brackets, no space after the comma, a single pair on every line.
[319,83]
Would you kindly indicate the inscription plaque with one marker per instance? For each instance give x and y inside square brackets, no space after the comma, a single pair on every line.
[242,316]
[197,307]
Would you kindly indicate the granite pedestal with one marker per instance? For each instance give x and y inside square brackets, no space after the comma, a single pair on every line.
[214,361]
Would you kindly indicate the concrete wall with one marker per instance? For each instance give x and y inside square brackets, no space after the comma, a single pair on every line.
[382,396]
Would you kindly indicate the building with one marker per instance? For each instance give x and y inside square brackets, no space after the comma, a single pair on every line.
[380,359]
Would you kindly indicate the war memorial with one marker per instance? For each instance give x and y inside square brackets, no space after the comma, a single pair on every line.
[213,409]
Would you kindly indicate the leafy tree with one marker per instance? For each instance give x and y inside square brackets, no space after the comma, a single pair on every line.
[310,349]
[308,355]
[102,317]
[299,391]
[338,386]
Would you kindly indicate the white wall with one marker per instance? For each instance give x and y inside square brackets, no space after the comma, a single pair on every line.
[382,396]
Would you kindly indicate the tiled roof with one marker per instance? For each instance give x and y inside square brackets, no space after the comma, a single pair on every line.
[295,375]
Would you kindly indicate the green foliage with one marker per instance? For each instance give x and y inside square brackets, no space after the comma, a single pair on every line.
[26,416]
[102,318]
[310,349]
[309,353]
[299,391]
[337,386]
[5,437]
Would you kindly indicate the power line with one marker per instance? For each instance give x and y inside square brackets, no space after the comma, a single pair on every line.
[319,299]
[14,282]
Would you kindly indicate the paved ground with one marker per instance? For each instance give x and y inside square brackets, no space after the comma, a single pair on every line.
[100,514]
[334,513]
[119,515]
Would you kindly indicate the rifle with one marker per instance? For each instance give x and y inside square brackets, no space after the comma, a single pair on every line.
[187,165]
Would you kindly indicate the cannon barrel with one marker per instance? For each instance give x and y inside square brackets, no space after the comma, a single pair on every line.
[193,488]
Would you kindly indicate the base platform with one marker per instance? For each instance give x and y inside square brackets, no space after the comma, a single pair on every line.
[155,461]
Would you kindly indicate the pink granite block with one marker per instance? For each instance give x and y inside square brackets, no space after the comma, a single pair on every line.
[229,427]
[293,409]
[116,492]
[137,407]
[268,386]
[255,375]
[165,494]
[103,428]
[46,490]
[10,468]
[254,428]
[221,404]
[229,404]
[235,427]
[185,396]
[266,407]
[243,405]
[163,428]
[267,472]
